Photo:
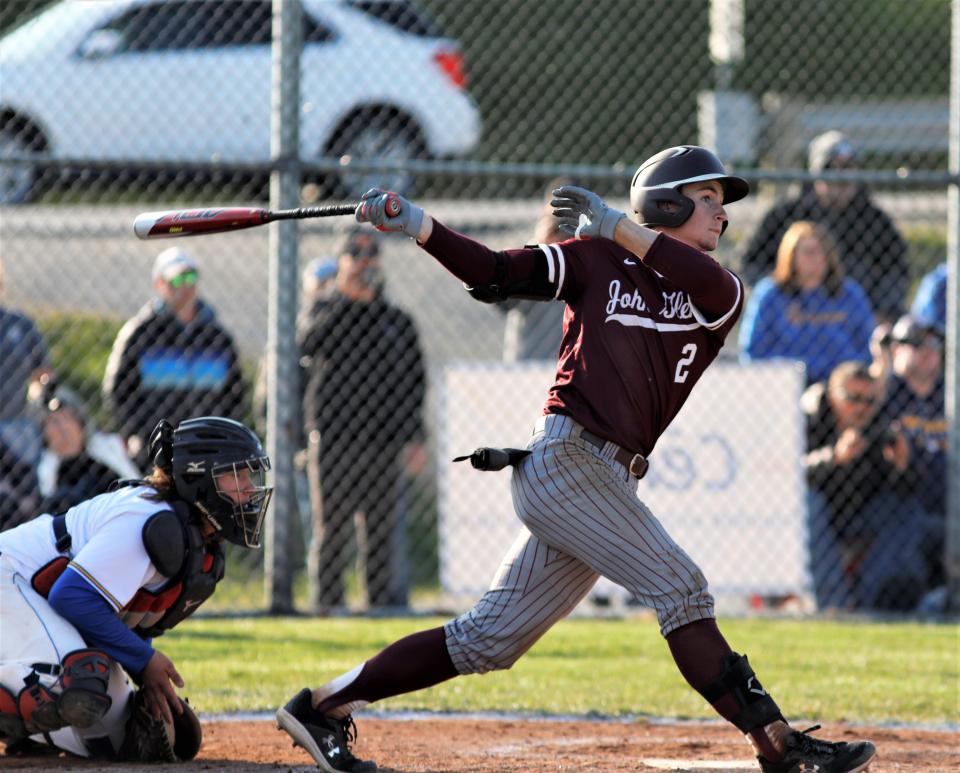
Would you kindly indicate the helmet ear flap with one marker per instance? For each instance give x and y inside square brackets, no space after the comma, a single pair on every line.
[161,446]
[652,212]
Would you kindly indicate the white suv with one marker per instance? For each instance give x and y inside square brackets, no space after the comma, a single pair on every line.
[189,80]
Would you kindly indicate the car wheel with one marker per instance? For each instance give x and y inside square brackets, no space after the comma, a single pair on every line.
[382,136]
[17,180]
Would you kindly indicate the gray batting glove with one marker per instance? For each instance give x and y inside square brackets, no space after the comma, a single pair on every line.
[582,213]
[386,211]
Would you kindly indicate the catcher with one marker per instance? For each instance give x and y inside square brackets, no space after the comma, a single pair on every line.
[83,594]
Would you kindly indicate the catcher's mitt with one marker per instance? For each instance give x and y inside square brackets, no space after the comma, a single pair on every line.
[154,740]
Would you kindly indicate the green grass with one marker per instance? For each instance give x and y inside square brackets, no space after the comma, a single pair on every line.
[831,671]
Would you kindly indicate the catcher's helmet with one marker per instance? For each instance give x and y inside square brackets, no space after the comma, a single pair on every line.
[659,179]
[199,452]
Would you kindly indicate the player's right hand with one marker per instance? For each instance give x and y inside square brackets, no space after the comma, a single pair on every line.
[376,206]
[582,213]
[159,693]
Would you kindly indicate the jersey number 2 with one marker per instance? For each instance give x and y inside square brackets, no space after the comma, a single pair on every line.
[689,352]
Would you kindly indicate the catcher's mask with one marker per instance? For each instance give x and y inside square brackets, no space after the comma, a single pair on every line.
[214,462]
[660,177]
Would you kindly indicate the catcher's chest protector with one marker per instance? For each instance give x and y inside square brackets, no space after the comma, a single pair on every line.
[176,547]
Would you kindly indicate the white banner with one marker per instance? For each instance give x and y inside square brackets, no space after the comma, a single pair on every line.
[725,478]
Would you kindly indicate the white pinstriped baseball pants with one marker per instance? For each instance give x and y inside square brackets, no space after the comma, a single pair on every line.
[582,519]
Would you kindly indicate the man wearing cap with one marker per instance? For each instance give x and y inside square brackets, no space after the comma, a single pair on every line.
[905,559]
[872,251]
[364,384]
[172,359]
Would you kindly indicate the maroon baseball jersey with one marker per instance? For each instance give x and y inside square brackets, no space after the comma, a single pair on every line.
[638,333]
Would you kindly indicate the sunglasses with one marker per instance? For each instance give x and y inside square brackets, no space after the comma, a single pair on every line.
[188,278]
[923,342]
[853,397]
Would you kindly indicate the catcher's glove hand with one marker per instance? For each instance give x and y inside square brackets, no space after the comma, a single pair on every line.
[153,740]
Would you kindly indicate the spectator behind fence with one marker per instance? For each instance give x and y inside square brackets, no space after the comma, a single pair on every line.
[77,462]
[845,468]
[364,387]
[872,251]
[882,358]
[930,302]
[171,360]
[905,558]
[532,330]
[317,282]
[807,309]
[23,361]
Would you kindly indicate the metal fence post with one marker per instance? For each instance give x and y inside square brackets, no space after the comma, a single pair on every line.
[952,557]
[281,344]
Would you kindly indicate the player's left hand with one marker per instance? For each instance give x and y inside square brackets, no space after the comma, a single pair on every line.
[376,206]
[582,213]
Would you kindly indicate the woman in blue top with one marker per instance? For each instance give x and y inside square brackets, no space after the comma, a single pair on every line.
[806,310]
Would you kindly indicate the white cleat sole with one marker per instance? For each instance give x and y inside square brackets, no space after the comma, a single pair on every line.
[301,736]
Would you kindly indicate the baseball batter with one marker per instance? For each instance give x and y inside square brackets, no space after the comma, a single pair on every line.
[647,311]
[82,595]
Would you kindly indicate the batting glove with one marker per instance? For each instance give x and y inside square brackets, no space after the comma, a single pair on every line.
[386,211]
[582,213]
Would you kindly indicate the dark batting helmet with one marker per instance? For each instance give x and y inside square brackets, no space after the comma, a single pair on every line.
[659,178]
[204,453]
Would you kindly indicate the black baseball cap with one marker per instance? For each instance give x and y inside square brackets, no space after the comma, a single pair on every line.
[359,243]
[912,330]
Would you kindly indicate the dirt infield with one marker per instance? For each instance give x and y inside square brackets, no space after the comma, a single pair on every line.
[458,745]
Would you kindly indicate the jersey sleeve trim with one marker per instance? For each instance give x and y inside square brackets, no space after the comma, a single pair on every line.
[93,581]
[718,323]
[556,266]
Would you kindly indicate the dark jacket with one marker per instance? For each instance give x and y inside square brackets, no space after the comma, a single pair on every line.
[79,478]
[872,251]
[362,375]
[160,368]
[923,422]
[848,487]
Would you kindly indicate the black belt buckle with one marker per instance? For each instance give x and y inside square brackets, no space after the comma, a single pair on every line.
[638,465]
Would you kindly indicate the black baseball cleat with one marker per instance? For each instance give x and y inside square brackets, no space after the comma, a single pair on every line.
[325,739]
[811,755]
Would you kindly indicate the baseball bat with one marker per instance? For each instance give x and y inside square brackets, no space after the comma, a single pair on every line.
[212,220]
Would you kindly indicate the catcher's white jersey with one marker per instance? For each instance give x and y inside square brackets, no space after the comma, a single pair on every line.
[107,550]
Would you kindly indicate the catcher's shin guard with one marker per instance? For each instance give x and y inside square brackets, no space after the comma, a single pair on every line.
[757,708]
[83,701]
[11,723]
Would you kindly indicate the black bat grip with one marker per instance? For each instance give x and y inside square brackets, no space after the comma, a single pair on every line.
[330,210]
[326,210]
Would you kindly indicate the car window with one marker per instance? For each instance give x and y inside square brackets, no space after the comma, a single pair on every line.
[401,15]
[187,25]
[183,24]
[314,31]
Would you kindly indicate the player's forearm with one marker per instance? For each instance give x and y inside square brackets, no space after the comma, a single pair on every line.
[634,237]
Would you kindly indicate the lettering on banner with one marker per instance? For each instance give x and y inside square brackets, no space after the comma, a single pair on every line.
[685,462]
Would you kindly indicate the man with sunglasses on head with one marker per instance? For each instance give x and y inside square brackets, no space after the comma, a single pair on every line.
[844,468]
[172,359]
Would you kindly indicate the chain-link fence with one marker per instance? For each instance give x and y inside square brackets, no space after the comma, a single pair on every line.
[820,486]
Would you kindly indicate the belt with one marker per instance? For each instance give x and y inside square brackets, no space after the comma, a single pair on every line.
[637,464]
